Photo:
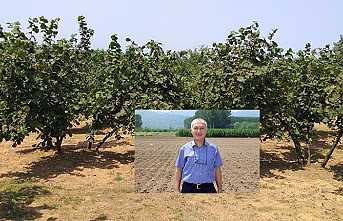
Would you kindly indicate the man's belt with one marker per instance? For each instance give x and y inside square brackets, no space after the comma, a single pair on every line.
[199,185]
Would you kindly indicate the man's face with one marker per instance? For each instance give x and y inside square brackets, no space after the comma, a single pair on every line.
[199,131]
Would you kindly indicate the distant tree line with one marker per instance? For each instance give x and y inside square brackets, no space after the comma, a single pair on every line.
[214,118]
[138,121]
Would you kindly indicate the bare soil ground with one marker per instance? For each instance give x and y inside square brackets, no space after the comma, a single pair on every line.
[83,185]
[155,163]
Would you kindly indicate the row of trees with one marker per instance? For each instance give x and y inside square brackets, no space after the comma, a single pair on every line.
[293,90]
[48,85]
[214,118]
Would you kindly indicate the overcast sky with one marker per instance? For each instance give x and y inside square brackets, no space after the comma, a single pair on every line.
[185,24]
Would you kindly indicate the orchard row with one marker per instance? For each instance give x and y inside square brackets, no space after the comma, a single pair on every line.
[49,84]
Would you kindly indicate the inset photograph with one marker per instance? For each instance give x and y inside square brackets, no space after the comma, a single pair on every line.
[197,151]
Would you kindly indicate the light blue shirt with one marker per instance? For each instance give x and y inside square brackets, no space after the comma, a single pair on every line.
[198,164]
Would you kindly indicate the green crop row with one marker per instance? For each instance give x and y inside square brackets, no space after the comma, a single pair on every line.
[235,132]
[153,130]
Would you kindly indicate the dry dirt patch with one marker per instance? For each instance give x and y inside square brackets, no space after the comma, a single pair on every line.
[89,186]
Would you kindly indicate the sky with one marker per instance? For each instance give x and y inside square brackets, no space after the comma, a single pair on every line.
[187,24]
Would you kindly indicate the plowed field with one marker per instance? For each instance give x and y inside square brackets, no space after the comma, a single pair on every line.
[155,163]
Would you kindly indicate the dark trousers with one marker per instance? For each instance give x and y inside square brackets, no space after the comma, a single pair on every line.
[194,188]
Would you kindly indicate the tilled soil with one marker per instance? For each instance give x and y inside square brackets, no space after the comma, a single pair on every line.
[155,163]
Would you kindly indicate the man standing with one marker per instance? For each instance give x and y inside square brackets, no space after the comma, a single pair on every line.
[198,163]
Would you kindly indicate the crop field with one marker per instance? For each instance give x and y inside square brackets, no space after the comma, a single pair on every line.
[155,163]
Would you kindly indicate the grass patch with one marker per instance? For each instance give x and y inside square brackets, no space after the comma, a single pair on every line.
[10,185]
[72,200]
[154,130]
[118,177]
[142,133]
[16,197]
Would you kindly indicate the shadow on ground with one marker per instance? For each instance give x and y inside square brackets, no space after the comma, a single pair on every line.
[321,134]
[15,204]
[338,171]
[110,144]
[79,145]
[100,218]
[286,160]
[271,161]
[72,161]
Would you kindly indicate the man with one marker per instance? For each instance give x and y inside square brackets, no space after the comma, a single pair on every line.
[198,163]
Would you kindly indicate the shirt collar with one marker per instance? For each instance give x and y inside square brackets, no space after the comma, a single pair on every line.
[194,144]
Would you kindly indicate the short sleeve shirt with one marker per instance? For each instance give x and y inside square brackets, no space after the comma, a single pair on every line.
[198,164]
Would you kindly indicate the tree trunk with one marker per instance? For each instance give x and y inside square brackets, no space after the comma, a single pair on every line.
[59,140]
[297,144]
[298,151]
[328,155]
[90,140]
[309,154]
[108,135]
[49,143]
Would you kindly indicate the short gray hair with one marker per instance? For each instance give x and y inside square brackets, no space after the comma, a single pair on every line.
[198,120]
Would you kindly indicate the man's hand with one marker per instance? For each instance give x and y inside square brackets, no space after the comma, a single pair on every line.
[218,176]
[178,174]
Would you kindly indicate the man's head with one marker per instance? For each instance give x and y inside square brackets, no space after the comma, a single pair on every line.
[199,129]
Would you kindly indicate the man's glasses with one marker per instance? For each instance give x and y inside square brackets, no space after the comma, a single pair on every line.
[198,128]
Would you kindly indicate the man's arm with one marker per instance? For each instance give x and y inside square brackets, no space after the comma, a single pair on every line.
[180,162]
[218,177]
[178,174]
